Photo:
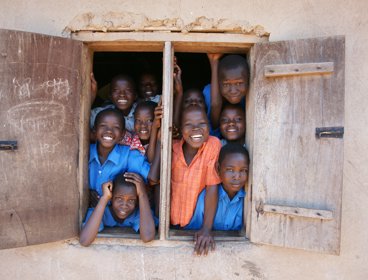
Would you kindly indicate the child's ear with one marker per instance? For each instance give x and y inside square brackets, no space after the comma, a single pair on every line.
[217,166]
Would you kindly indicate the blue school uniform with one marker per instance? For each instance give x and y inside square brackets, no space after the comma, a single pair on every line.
[121,159]
[229,213]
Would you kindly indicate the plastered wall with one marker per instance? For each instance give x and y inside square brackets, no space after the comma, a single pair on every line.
[284,19]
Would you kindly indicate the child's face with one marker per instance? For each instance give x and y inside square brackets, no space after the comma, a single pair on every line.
[194,98]
[234,173]
[148,86]
[123,94]
[232,124]
[195,128]
[109,130]
[233,84]
[143,120]
[124,202]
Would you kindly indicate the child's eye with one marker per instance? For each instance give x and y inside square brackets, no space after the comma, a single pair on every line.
[238,119]
[224,121]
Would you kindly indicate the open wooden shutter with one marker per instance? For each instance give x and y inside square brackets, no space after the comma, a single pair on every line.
[40,87]
[297,143]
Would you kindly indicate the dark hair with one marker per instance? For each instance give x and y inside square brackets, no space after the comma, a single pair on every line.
[146,105]
[233,61]
[232,148]
[190,90]
[121,182]
[232,106]
[108,111]
[122,77]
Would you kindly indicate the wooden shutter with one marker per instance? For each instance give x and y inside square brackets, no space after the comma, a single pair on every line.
[297,89]
[40,86]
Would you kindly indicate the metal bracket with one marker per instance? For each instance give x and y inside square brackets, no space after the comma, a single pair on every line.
[330,132]
[8,145]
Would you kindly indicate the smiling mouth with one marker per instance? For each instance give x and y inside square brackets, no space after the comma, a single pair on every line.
[196,137]
[144,131]
[231,130]
[122,101]
[107,138]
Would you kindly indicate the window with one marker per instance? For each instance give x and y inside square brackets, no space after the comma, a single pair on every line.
[294,120]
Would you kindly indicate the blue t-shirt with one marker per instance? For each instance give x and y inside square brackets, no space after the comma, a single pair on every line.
[120,159]
[229,213]
[207,100]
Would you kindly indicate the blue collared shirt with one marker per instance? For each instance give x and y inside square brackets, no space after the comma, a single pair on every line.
[121,159]
[229,213]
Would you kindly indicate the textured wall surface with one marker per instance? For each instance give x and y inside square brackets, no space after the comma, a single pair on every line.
[284,19]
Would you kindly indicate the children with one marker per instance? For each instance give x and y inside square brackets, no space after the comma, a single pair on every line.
[127,190]
[148,88]
[229,80]
[192,170]
[123,96]
[232,124]
[107,158]
[233,166]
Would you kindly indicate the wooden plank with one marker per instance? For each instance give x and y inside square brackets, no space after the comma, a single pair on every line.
[40,85]
[298,69]
[166,140]
[298,212]
[188,235]
[291,167]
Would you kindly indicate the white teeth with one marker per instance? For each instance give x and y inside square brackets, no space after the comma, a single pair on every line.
[109,138]
[122,101]
[144,131]
[197,137]
[232,130]
[149,92]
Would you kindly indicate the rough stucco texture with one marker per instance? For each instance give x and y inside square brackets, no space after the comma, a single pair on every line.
[284,19]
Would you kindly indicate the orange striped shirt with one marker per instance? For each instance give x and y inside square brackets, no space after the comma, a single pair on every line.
[188,181]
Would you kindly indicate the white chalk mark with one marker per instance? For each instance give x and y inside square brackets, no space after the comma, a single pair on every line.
[21,88]
[58,88]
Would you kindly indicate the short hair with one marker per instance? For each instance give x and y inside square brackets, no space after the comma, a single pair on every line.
[107,111]
[233,106]
[190,90]
[232,148]
[233,61]
[121,182]
[146,105]
[122,77]
[193,108]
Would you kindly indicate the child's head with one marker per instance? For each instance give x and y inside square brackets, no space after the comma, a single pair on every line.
[233,167]
[109,127]
[123,92]
[143,119]
[193,97]
[194,126]
[233,74]
[124,197]
[148,86]
[232,122]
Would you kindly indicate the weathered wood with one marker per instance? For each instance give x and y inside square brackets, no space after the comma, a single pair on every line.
[188,235]
[298,212]
[298,69]
[166,140]
[40,85]
[291,167]
[153,41]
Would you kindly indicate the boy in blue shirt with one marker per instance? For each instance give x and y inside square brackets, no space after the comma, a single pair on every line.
[233,166]
[124,211]
[107,158]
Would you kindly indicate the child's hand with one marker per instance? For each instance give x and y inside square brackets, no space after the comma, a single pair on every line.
[137,180]
[214,56]
[107,190]
[178,86]
[203,241]
[175,132]
[94,197]
[93,85]
[158,115]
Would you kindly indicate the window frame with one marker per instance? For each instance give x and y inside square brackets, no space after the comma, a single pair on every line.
[168,43]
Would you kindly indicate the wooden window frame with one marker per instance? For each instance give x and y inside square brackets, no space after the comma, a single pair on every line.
[167,43]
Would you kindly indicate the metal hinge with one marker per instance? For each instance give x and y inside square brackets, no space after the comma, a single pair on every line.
[8,145]
[330,132]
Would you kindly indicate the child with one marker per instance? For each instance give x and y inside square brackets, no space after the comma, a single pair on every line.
[107,158]
[229,80]
[127,190]
[192,170]
[233,166]
[123,96]
[232,124]
[148,88]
